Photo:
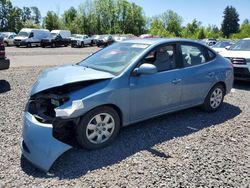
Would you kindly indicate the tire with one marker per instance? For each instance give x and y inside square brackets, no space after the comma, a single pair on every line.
[214,98]
[28,45]
[17,46]
[53,45]
[6,44]
[93,132]
[82,44]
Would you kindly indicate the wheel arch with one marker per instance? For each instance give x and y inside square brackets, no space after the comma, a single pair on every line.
[115,107]
[223,84]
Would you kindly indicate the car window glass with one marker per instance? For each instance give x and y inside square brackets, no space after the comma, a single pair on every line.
[163,58]
[192,55]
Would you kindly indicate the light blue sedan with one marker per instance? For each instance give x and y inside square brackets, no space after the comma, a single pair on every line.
[122,84]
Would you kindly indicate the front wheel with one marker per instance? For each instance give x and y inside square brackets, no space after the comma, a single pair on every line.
[214,98]
[98,128]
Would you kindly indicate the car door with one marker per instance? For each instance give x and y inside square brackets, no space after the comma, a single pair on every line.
[198,74]
[156,93]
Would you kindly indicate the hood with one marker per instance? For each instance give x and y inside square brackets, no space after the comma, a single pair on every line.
[20,38]
[236,53]
[66,74]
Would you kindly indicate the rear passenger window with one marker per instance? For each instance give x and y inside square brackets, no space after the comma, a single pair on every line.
[192,55]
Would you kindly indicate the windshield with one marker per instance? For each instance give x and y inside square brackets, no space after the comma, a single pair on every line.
[243,45]
[115,58]
[79,36]
[222,44]
[53,34]
[23,34]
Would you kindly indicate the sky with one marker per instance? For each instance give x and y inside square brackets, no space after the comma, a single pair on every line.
[206,11]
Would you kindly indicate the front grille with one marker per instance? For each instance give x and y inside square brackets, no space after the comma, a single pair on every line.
[74,42]
[18,40]
[241,72]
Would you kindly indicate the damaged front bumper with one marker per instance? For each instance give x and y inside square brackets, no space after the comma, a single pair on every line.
[38,144]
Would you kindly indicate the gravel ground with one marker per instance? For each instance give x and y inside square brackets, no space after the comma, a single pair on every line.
[36,56]
[190,148]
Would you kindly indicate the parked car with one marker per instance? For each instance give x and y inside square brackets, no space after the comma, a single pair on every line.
[210,41]
[4,62]
[239,55]
[222,45]
[57,38]
[113,88]
[95,38]
[145,36]
[8,38]
[119,38]
[81,41]
[105,40]
[30,37]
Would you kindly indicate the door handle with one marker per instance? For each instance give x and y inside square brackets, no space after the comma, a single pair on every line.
[176,81]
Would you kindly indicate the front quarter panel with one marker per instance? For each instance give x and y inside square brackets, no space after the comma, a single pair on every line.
[108,92]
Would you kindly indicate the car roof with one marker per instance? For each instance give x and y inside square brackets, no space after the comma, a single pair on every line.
[155,41]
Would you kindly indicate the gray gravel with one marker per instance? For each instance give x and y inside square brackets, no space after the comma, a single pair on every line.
[190,148]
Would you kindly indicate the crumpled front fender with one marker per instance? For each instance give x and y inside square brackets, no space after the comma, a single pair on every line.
[38,144]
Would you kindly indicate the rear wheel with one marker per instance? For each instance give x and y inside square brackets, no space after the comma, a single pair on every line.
[214,98]
[98,128]
[5,44]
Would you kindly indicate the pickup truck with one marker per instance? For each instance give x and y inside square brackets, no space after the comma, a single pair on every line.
[55,40]
[4,62]
[81,41]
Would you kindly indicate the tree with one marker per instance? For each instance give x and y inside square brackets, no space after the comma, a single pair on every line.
[69,16]
[51,21]
[35,15]
[26,14]
[5,9]
[230,23]
[201,34]
[244,30]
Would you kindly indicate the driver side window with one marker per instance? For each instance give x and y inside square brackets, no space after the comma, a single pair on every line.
[162,57]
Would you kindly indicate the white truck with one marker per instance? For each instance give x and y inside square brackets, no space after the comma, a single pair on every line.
[30,37]
[81,41]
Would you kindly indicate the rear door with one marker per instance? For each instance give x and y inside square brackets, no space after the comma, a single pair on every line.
[198,73]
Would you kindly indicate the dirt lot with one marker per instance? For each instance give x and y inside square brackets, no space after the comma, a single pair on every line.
[37,56]
[189,148]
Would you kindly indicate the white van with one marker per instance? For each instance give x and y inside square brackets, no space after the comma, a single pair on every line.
[63,33]
[30,37]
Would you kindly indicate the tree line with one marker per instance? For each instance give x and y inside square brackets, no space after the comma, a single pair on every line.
[120,17]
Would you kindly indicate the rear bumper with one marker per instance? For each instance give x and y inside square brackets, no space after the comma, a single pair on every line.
[4,64]
[38,144]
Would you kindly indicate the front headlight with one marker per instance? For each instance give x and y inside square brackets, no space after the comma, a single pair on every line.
[66,112]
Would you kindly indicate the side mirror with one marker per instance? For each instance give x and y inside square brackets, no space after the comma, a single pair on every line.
[146,68]
[227,47]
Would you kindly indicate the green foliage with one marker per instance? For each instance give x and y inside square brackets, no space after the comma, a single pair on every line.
[230,23]
[244,30]
[51,21]
[201,34]
[167,24]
